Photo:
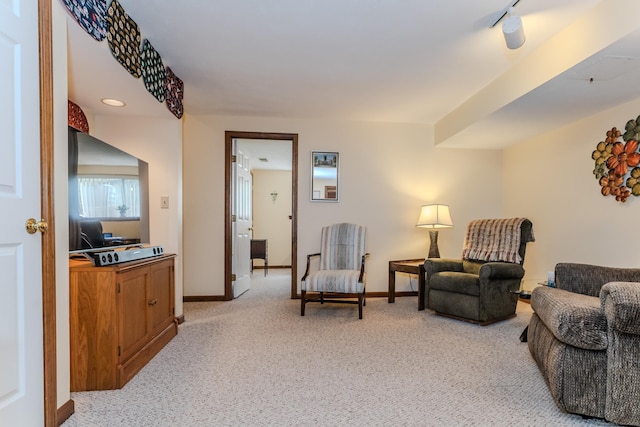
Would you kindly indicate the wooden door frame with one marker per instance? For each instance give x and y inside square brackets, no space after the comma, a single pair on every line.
[228,230]
[45,38]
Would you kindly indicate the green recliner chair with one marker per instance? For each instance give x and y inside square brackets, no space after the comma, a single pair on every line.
[483,286]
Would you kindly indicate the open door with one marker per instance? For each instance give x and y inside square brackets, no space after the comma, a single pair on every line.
[21,292]
[241,221]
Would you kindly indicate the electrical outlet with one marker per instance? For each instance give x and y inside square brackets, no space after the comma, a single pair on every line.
[164,202]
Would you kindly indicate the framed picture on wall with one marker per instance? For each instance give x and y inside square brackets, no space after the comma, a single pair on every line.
[324,176]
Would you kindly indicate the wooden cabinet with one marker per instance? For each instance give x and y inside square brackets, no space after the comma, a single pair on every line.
[120,317]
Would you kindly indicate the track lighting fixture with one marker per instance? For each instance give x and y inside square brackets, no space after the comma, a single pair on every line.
[511,27]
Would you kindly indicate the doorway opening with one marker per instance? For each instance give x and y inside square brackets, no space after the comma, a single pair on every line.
[230,136]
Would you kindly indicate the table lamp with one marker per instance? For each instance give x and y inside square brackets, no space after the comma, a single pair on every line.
[434,217]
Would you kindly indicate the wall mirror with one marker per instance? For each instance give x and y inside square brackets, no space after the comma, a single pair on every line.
[324,176]
[108,195]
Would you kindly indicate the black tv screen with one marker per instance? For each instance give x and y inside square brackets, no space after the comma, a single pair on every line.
[108,196]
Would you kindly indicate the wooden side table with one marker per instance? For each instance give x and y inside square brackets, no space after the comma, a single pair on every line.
[411,266]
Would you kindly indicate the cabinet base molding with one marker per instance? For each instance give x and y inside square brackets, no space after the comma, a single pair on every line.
[132,366]
[64,412]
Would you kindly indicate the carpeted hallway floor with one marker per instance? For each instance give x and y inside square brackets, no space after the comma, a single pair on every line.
[255,361]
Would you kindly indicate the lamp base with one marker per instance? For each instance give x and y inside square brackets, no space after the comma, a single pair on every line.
[433,245]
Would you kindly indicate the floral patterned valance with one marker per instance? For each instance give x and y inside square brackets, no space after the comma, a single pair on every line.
[90,15]
[76,117]
[124,39]
[123,35]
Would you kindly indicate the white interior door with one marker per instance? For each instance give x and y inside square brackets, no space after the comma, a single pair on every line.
[241,206]
[21,348]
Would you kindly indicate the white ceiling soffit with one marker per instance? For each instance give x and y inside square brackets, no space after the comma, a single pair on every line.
[565,79]
[604,67]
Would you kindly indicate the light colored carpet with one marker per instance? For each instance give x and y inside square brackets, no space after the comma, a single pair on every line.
[255,361]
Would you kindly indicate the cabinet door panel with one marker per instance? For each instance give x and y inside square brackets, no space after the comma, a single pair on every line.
[161,298]
[93,340]
[133,325]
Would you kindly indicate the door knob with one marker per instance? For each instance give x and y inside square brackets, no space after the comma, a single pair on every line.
[32,226]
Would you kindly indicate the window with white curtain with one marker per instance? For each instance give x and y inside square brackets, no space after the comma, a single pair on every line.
[113,196]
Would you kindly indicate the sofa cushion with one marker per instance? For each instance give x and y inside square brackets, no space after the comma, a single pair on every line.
[453,281]
[574,319]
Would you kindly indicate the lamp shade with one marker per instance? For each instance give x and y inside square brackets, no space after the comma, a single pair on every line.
[434,216]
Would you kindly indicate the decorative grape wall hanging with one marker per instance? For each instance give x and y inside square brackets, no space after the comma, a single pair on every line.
[617,162]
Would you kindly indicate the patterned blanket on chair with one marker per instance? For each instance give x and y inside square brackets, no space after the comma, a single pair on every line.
[494,240]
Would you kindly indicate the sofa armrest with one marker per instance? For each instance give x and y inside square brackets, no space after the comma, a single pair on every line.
[435,265]
[621,304]
[501,270]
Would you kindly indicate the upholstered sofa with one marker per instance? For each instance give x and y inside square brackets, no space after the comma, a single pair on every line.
[585,337]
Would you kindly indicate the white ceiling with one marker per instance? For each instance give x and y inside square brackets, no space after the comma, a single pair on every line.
[268,154]
[410,61]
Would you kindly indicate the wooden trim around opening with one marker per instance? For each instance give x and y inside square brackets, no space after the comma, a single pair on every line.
[228,233]
[45,41]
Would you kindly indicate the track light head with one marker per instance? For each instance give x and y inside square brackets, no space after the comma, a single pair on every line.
[513,31]
[511,27]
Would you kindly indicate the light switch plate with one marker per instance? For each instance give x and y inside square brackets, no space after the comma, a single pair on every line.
[164,202]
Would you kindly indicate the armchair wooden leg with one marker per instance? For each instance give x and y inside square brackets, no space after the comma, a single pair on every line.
[360,303]
[321,297]
[303,300]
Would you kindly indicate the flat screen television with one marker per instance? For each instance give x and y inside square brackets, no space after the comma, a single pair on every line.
[108,196]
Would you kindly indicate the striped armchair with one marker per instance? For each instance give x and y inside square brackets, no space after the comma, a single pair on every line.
[341,268]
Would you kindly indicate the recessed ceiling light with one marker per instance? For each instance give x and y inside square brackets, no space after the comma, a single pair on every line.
[113,102]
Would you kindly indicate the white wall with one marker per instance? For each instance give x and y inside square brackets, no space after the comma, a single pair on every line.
[157,141]
[271,218]
[387,171]
[550,180]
